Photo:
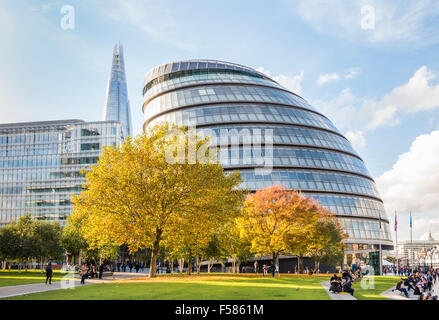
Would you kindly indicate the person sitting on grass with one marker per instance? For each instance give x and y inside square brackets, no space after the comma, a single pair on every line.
[347,286]
[335,284]
[84,273]
[400,288]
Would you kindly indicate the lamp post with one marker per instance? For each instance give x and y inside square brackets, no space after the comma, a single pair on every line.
[380,257]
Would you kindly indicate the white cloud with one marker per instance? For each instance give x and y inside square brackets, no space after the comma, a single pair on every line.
[293,82]
[413,24]
[357,138]
[350,112]
[352,73]
[325,78]
[413,181]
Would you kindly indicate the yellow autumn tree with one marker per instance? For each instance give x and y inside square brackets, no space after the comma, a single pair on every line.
[143,192]
[216,204]
[326,244]
[276,221]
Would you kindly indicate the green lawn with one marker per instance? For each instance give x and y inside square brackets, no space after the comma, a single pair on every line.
[14,278]
[196,288]
[382,283]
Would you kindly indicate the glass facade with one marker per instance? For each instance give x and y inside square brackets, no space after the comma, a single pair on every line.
[117,105]
[306,151]
[40,164]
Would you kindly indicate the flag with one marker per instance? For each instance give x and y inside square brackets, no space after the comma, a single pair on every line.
[396,223]
[411,220]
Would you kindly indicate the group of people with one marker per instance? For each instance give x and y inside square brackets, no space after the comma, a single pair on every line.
[266,269]
[421,283]
[122,267]
[92,270]
[404,270]
[344,283]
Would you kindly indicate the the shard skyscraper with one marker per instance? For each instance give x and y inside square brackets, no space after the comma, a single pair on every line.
[117,105]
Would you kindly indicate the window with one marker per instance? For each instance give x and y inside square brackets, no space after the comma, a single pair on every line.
[89,146]
[89,132]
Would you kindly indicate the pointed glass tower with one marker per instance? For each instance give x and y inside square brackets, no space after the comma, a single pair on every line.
[117,105]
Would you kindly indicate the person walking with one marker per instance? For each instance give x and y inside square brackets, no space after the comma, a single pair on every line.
[49,272]
[101,270]
[273,269]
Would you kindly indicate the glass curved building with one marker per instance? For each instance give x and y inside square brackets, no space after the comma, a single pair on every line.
[302,148]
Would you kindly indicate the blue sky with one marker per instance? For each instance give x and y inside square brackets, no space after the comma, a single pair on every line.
[378,84]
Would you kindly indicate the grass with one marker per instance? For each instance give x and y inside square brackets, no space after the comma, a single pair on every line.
[197,287]
[203,287]
[15,278]
[381,283]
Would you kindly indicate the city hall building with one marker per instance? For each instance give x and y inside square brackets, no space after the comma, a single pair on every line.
[305,150]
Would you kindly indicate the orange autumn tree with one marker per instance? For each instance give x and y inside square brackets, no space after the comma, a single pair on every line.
[276,220]
[136,196]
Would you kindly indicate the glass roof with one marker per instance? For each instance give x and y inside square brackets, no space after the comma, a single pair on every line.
[196,64]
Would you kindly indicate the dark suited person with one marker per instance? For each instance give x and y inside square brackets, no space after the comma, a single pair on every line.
[49,272]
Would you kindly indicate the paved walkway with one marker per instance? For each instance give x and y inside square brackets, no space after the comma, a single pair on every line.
[337,296]
[396,295]
[42,287]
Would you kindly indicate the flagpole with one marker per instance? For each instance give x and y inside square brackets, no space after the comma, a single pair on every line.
[396,243]
[411,242]
[380,253]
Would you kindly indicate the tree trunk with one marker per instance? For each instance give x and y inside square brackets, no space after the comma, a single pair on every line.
[209,265]
[238,265]
[180,265]
[301,263]
[198,265]
[189,264]
[154,255]
[233,265]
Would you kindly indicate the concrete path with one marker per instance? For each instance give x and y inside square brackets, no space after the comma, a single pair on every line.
[396,295]
[337,296]
[56,285]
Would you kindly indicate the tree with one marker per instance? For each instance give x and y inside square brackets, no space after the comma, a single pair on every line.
[272,220]
[233,245]
[46,241]
[9,243]
[72,239]
[142,194]
[276,221]
[197,225]
[26,245]
[212,252]
[326,245]
[29,239]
